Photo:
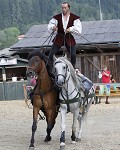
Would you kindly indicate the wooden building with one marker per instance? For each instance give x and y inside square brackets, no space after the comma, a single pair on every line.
[12,76]
[98,45]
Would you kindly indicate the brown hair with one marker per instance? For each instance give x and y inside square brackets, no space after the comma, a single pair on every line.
[66,3]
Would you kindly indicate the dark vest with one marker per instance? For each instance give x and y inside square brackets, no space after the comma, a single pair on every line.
[69,39]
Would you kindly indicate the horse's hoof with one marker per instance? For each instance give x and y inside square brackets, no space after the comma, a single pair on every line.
[47,139]
[73,142]
[62,146]
[31,147]
[78,139]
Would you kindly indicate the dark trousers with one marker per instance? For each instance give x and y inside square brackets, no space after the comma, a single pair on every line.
[71,50]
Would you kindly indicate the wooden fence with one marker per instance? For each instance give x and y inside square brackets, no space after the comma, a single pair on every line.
[12,90]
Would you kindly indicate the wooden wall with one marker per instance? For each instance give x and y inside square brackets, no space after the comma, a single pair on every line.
[111,60]
[12,90]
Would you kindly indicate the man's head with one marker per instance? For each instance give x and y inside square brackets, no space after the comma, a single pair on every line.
[65,7]
[77,71]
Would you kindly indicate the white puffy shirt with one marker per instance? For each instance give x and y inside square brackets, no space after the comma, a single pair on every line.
[76,28]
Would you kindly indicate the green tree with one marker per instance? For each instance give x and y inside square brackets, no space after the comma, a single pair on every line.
[23,13]
[2,39]
[8,37]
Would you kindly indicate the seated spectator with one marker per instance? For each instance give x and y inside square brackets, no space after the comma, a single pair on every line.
[112,80]
[86,82]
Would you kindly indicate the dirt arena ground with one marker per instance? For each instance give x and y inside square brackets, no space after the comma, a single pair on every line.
[101,130]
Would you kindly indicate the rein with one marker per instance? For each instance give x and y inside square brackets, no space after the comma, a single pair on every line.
[88,42]
[94,46]
[40,77]
[50,36]
[41,92]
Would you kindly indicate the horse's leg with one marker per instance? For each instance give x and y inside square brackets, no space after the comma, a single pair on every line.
[63,111]
[49,129]
[50,116]
[34,125]
[75,117]
[80,128]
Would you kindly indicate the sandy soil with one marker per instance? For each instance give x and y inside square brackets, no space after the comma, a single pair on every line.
[101,130]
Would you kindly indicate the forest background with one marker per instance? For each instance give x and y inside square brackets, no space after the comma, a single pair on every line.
[17,16]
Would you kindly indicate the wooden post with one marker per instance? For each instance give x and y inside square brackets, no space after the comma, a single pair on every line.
[25,92]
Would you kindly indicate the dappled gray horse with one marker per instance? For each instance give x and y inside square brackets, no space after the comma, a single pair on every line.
[70,97]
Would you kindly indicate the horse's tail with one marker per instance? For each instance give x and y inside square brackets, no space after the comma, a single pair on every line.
[89,99]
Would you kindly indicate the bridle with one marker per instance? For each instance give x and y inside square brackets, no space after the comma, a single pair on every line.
[64,76]
[39,77]
[33,70]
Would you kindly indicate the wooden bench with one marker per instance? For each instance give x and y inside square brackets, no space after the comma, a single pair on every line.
[113,91]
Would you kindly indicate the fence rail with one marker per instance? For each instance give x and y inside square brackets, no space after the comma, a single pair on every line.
[104,89]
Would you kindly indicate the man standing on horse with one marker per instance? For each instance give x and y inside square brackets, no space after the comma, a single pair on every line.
[65,24]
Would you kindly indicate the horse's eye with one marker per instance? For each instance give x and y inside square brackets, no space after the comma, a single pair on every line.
[64,67]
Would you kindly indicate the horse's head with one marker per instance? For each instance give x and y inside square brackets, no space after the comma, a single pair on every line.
[62,72]
[33,68]
[35,64]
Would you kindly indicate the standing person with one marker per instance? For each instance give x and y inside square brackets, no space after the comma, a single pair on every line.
[65,24]
[106,79]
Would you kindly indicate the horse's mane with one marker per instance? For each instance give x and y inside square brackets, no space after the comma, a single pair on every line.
[42,56]
[37,52]
[72,71]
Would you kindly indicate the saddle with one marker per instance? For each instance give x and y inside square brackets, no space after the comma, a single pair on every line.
[84,83]
[85,86]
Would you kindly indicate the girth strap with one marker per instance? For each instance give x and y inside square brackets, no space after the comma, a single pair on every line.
[69,101]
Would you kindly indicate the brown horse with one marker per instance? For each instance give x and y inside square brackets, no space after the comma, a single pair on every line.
[45,95]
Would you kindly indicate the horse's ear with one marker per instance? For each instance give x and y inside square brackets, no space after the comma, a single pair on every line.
[54,58]
[42,50]
[65,56]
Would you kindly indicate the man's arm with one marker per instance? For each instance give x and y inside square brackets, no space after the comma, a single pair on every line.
[52,26]
[106,74]
[76,28]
